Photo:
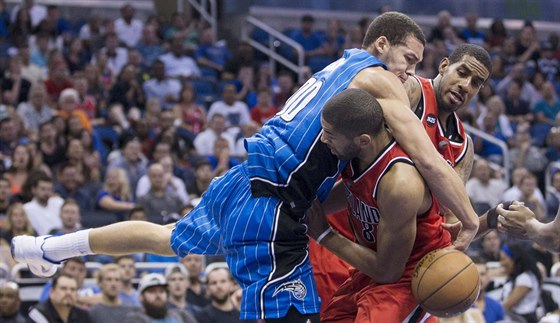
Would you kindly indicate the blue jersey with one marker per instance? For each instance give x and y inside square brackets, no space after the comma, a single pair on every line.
[287,159]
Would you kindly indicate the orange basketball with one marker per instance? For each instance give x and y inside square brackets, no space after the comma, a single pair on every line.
[445,282]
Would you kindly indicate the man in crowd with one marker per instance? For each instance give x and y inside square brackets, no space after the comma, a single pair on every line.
[110,308]
[9,303]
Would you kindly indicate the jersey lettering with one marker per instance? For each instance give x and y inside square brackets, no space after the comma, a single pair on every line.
[300,99]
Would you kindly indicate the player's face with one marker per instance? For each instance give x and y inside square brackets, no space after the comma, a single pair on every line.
[401,59]
[460,82]
[340,145]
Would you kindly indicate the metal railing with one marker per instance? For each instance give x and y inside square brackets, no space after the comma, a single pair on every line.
[275,39]
[208,11]
[502,144]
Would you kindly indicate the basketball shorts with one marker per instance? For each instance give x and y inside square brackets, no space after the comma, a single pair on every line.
[360,299]
[263,241]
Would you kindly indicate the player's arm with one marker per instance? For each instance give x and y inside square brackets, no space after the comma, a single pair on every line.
[336,200]
[410,134]
[413,91]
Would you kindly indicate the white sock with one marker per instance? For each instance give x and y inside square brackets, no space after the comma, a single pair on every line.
[67,246]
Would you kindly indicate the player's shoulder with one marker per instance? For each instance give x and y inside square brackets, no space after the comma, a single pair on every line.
[377,81]
[413,90]
[402,179]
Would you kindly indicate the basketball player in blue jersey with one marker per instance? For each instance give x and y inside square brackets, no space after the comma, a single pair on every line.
[254,214]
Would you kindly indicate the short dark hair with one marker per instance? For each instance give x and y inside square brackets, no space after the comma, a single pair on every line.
[137,208]
[353,112]
[57,277]
[307,18]
[395,26]
[479,53]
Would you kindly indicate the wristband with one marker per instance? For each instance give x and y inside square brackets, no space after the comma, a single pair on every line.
[492,217]
[324,235]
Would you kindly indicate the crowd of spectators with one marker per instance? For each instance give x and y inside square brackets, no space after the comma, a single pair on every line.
[116,120]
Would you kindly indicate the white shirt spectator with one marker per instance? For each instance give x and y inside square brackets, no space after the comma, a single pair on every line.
[161,89]
[236,114]
[44,218]
[176,186]
[31,117]
[514,194]
[85,32]
[204,142]
[182,66]
[529,303]
[491,194]
[115,63]
[129,33]
[37,13]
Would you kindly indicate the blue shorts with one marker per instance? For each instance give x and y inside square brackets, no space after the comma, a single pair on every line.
[264,243]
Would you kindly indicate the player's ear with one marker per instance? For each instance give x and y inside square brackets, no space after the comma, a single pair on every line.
[443,65]
[364,139]
[381,44]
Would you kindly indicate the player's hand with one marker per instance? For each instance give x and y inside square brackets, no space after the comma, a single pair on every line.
[453,228]
[316,220]
[514,221]
[465,237]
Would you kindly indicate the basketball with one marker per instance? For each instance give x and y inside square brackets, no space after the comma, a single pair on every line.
[445,282]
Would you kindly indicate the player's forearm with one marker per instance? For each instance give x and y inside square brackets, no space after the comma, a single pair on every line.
[362,258]
[545,234]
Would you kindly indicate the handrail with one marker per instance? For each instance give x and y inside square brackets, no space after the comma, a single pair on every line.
[274,37]
[200,6]
[505,150]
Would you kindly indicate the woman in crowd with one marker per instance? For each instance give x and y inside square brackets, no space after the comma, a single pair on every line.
[192,115]
[115,196]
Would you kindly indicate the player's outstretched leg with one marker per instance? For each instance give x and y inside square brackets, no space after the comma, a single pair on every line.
[43,252]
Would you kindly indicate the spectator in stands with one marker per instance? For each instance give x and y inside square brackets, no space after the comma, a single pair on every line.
[36,12]
[61,304]
[496,36]
[40,52]
[504,61]
[443,21]
[9,137]
[138,213]
[517,109]
[76,156]
[309,39]
[219,286]
[53,153]
[87,102]
[178,282]
[177,63]
[128,28]
[29,71]
[514,192]
[128,294]
[243,56]
[547,109]
[153,295]
[247,131]
[196,291]
[236,112]
[20,29]
[76,268]
[471,33]
[18,172]
[221,160]
[44,209]
[527,47]
[161,205]
[175,185]
[548,63]
[517,74]
[204,141]
[128,89]
[210,56]
[524,154]
[68,104]
[37,158]
[264,109]
[117,56]
[286,87]
[15,88]
[528,186]
[17,224]
[492,310]
[553,196]
[76,56]
[149,45]
[115,196]
[484,190]
[10,302]
[159,86]
[191,114]
[131,161]
[70,217]
[58,80]
[91,32]
[35,110]
[5,198]
[521,293]
[495,106]
[110,308]
[491,244]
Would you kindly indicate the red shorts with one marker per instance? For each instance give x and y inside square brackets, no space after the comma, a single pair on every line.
[360,299]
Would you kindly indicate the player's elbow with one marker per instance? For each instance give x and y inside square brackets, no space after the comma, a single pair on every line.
[387,275]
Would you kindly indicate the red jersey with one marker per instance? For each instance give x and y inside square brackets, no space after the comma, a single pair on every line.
[364,214]
[452,142]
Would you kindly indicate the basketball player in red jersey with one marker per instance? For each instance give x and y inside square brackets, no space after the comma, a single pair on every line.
[460,77]
[391,211]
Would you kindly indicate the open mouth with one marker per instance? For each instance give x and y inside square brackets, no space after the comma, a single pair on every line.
[456,98]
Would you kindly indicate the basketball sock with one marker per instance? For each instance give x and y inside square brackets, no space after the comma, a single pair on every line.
[67,246]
